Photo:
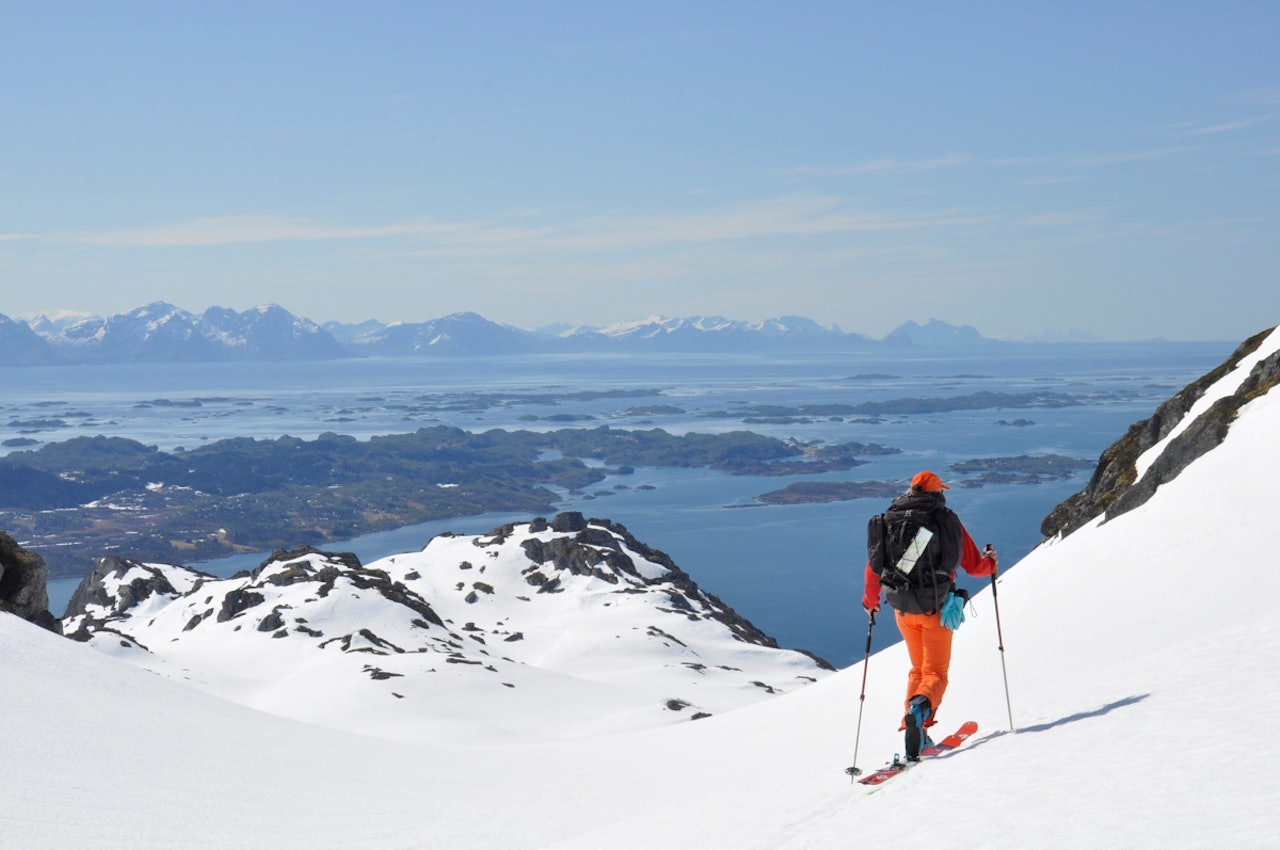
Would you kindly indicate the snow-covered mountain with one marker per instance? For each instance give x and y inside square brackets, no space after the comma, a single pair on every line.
[469,334]
[20,346]
[1124,701]
[938,335]
[161,332]
[543,630]
[715,333]
[457,334]
[269,332]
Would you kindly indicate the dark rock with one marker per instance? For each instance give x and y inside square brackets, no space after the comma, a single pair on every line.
[567,553]
[380,674]
[24,588]
[1112,491]
[348,559]
[237,602]
[272,622]
[568,521]
[1203,435]
[93,589]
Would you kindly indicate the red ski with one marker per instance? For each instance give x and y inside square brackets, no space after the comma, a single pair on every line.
[885,773]
[897,766]
[952,741]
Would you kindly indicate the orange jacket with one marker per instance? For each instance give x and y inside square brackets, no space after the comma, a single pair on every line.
[971,560]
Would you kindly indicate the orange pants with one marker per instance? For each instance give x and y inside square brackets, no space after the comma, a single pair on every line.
[929,646]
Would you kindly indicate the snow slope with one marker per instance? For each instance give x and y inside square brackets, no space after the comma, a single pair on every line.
[1140,653]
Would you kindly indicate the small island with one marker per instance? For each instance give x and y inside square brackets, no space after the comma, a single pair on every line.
[1024,469]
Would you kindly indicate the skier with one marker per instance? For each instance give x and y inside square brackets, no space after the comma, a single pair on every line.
[927,605]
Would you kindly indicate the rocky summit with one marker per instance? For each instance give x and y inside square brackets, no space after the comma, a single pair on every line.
[24,587]
[537,630]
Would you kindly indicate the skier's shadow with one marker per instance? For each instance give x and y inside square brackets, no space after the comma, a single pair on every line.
[1085,715]
[1052,724]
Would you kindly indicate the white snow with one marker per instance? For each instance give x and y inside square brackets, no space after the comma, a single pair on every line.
[1141,655]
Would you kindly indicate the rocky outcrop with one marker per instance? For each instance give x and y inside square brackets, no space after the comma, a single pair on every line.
[111,589]
[1115,487]
[599,548]
[104,587]
[24,589]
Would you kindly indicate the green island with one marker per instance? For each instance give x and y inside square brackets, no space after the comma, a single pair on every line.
[88,497]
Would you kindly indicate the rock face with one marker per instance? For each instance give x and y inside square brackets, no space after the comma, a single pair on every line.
[1116,486]
[24,588]
[115,586]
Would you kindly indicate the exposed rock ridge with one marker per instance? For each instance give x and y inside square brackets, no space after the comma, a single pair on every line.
[599,548]
[24,585]
[1115,487]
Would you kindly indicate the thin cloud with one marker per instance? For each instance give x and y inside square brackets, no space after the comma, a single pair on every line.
[1061,218]
[231,230]
[1227,127]
[789,216]
[1130,156]
[1259,97]
[1094,160]
[16,237]
[1049,180]
[884,166]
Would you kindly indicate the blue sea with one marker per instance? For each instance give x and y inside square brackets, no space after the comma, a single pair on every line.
[795,570]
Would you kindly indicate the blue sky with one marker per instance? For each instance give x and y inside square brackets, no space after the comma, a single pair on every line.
[1025,168]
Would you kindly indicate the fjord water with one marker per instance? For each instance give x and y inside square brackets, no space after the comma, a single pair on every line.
[793,570]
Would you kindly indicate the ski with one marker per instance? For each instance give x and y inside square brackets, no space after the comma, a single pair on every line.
[884,774]
[897,766]
[952,741]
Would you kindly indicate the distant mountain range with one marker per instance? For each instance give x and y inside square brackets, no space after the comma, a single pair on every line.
[161,332]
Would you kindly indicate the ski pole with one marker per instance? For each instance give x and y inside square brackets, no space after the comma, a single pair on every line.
[854,770]
[995,598]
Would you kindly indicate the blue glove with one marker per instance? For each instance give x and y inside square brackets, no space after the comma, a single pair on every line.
[952,611]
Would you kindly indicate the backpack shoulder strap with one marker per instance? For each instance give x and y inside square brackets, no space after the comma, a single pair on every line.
[877,549]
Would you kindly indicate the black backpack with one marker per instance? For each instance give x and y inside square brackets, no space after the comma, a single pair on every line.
[901,548]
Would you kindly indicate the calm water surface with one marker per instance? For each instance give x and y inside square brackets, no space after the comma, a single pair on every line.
[795,571]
